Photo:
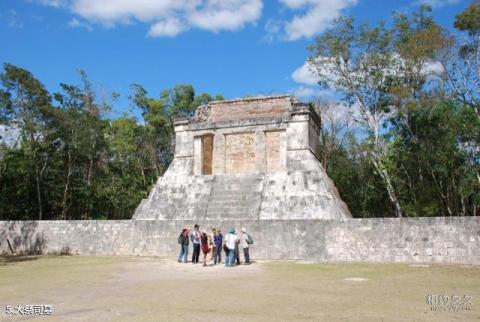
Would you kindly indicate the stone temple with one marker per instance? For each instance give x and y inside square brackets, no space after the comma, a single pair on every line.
[253,163]
[253,158]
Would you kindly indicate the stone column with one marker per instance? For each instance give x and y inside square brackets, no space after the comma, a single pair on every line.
[197,155]
[302,136]
[183,138]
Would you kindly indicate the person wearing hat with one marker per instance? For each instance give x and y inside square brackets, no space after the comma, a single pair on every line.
[245,243]
[230,241]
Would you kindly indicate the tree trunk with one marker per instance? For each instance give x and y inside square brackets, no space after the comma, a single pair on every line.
[90,165]
[388,183]
[142,171]
[37,177]
[67,185]
[39,192]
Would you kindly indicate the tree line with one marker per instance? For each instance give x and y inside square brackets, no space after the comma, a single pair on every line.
[410,142]
[70,161]
[401,138]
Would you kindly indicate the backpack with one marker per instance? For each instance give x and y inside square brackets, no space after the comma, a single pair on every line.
[249,239]
[181,238]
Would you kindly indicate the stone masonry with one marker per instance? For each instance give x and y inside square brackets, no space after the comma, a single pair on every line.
[255,158]
[454,240]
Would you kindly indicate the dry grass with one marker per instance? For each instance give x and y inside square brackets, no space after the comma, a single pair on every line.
[154,289]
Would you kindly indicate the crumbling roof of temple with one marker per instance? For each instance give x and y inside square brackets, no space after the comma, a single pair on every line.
[254,99]
[245,108]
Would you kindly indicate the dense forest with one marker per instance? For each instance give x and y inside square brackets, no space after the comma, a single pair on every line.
[401,137]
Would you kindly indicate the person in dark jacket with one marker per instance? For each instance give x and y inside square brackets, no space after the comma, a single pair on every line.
[237,252]
[217,242]
[183,240]
[195,239]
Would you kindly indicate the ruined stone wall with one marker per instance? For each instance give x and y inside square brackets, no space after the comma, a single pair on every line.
[240,153]
[233,110]
[240,144]
[273,151]
[404,240]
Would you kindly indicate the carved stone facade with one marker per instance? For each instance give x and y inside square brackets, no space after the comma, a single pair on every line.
[255,158]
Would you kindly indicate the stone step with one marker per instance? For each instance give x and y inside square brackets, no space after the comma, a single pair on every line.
[250,192]
[221,209]
[244,189]
[233,201]
[235,197]
[239,193]
[216,197]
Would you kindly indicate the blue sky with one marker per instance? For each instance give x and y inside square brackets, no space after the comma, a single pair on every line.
[231,47]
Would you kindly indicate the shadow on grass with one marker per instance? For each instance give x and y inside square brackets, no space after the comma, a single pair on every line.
[8,259]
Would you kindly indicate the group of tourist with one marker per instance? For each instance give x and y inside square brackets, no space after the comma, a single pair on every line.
[213,244]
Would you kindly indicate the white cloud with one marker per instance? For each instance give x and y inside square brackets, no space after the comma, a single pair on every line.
[306,92]
[439,3]
[52,3]
[308,77]
[9,136]
[318,16]
[12,19]
[433,68]
[111,12]
[430,68]
[309,74]
[75,23]
[169,28]
[167,17]
[272,28]
[305,74]
[333,112]
[219,15]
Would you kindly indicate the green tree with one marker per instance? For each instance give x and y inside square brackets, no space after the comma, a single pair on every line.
[381,72]
[26,105]
[436,159]
[461,61]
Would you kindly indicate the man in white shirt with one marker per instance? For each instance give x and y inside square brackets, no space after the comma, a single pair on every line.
[230,240]
[195,238]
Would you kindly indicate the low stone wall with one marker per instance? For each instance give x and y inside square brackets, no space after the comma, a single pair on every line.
[405,240]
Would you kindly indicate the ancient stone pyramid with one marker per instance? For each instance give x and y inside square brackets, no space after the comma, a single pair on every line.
[254,158]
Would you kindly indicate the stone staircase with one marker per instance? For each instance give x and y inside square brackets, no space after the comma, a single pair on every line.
[235,197]
[204,197]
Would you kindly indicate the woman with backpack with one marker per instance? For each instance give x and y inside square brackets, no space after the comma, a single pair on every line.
[183,241]
[205,247]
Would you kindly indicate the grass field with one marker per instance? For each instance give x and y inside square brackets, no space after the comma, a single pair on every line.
[159,289]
